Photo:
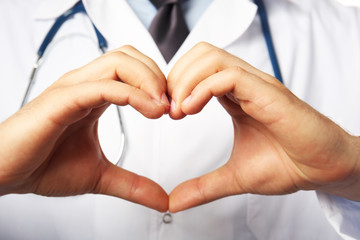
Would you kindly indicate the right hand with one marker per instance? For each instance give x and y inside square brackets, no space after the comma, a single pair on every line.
[51,147]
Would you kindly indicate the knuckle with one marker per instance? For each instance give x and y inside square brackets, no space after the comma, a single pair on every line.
[101,88]
[150,81]
[201,190]
[215,55]
[116,56]
[69,74]
[134,187]
[127,48]
[101,84]
[67,78]
[203,45]
[133,92]
[238,70]
[113,56]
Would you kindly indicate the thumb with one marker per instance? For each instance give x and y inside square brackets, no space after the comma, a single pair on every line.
[204,189]
[124,184]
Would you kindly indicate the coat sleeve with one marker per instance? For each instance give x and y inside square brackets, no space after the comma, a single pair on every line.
[343,215]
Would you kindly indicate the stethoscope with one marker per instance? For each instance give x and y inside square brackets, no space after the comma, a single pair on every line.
[102,44]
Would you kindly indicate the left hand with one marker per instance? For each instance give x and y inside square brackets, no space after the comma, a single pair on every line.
[281,144]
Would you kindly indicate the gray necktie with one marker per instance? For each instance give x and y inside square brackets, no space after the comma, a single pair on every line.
[168,27]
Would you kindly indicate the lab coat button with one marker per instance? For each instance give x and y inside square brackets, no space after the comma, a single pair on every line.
[167,218]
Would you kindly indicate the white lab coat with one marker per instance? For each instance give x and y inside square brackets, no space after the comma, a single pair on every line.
[318,46]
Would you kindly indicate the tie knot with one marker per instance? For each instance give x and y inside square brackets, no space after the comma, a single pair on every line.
[159,3]
[168,27]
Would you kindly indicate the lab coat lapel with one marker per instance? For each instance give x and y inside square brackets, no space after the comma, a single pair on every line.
[120,26]
[222,23]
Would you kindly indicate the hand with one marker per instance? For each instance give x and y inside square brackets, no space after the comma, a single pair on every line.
[281,144]
[51,146]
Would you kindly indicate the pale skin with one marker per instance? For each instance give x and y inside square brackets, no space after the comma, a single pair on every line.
[281,144]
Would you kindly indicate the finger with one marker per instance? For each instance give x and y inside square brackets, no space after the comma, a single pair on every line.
[204,64]
[259,99]
[206,60]
[118,65]
[182,74]
[160,81]
[204,50]
[77,101]
[185,61]
[218,85]
[135,72]
[131,51]
[107,91]
[121,183]
[207,188]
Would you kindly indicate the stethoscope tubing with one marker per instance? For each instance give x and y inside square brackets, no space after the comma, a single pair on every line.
[102,44]
[268,39]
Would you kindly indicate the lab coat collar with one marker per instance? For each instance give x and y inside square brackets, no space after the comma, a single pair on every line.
[120,26]
[222,23]
[213,26]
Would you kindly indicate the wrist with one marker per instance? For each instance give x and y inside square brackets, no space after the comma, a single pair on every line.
[349,159]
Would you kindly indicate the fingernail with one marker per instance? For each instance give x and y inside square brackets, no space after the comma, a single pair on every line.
[187,100]
[164,99]
[173,105]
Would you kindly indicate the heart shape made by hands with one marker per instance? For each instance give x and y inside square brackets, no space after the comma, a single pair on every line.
[281,144]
